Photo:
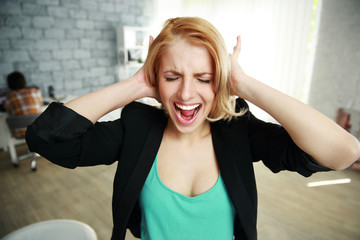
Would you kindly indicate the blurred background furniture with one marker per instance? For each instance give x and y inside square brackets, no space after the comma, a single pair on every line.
[349,119]
[16,123]
[59,229]
[343,119]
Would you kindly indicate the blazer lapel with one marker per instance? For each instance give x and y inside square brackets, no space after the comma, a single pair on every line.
[141,170]
[233,181]
[146,158]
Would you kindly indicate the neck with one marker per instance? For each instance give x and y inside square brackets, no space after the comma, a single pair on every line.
[188,138]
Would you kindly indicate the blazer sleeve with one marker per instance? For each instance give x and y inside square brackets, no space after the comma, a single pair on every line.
[272,144]
[68,139]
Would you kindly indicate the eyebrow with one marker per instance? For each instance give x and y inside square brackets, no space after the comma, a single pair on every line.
[196,74]
[204,73]
[172,72]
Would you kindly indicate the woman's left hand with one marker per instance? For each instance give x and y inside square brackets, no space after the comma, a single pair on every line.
[238,76]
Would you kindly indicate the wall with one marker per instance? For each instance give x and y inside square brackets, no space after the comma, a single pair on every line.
[336,72]
[69,44]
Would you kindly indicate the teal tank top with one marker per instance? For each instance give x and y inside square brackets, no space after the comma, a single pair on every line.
[166,214]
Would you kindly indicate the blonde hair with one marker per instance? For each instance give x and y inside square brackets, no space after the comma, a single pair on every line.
[198,32]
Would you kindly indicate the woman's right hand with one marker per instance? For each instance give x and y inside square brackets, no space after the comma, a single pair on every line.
[238,76]
[146,88]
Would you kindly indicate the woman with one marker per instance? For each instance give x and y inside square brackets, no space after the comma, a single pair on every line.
[185,171]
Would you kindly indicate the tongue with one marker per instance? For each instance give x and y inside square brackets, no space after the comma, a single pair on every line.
[187,113]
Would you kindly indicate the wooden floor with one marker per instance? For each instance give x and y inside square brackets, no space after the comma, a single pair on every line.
[288,209]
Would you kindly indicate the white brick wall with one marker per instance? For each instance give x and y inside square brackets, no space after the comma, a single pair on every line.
[69,44]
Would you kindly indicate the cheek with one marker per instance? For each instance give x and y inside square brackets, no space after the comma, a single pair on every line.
[210,94]
[213,94]
[210,98]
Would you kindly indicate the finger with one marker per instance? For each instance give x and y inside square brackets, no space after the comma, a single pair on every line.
[237,48]
[151,39]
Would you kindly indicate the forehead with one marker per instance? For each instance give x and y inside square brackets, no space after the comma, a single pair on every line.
[183,55]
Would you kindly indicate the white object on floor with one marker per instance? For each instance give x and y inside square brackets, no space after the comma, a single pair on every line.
[59,229]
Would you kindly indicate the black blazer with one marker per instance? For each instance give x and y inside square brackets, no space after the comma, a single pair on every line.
[70,140]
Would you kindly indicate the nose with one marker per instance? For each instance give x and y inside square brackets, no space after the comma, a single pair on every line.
[186,89]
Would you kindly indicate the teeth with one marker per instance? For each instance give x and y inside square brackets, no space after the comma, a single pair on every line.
[189,107]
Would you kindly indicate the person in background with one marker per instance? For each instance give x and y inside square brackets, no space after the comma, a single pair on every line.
[21,100]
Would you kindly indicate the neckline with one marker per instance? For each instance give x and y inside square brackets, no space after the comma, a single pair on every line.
[184,197]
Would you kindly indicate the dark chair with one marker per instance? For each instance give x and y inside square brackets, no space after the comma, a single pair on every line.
[16,123]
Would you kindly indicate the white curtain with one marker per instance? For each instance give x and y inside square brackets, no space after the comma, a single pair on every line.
[275,35]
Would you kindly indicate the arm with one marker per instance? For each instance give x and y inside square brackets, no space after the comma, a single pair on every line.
[317,135]
[96,104]
[68,139]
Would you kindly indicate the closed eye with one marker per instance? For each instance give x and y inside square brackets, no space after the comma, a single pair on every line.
[204,80]
[171,79]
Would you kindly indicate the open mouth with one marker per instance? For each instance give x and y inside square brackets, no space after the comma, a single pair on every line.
[186,114]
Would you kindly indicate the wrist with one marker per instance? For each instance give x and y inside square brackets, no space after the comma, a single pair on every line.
[242,85]
[139,87]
